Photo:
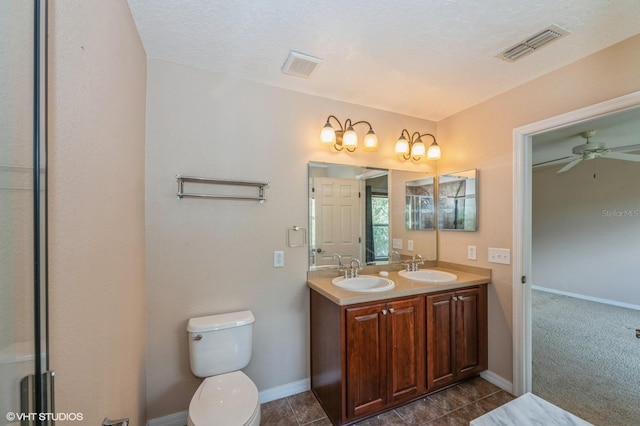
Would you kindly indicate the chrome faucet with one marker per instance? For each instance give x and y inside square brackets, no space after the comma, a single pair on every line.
[413,266]
[339,259]
[351,271]
[354,271]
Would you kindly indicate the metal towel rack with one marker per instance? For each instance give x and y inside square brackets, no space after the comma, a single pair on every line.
[220,182]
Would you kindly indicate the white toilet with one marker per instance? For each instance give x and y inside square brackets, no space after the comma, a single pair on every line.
[219,346]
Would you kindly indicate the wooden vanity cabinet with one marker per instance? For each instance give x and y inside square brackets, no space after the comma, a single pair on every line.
[382,346]
[369,357]
[456,335]
[384,354]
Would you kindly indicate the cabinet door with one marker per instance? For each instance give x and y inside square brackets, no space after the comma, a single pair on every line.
[470,332]
[405,338]
[366,361]
[441,367]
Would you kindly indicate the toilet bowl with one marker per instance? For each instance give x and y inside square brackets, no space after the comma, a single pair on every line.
[225,400]
[219,346]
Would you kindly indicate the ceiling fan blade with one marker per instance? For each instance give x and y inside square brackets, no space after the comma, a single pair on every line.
[570,165]
[622,156]
[627,148]
[552,162]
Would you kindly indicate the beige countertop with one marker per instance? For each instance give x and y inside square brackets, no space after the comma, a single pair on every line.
[467,276]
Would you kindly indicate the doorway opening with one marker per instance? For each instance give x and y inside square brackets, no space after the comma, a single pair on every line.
[522,219]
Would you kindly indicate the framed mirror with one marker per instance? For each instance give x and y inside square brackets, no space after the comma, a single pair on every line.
[356,212]
[420,213]
[457,201]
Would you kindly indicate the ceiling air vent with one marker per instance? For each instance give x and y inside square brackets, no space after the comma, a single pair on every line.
[301,65]
[532,43]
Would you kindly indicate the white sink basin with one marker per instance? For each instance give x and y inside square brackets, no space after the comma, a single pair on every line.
[364,283]
[429,276]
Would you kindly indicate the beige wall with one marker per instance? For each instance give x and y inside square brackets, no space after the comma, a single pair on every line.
[97,74]
[210,256]
[482,137]
[585,230]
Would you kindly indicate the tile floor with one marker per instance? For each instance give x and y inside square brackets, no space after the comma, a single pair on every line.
[457,405]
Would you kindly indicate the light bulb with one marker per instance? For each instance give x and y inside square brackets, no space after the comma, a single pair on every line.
[327,134]
[402,146]
[370,141]
[434,152]
[418,149]
[350,139]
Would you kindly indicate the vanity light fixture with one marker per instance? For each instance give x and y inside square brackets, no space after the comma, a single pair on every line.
[346,137]
[411,146]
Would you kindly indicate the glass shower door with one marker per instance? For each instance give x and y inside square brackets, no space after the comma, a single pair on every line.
[23,331]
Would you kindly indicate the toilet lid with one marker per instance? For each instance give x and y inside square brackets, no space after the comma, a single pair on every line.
[226,399]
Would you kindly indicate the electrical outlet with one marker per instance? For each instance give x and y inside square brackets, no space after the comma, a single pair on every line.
[499,255]
[278,259]
[410,245]
[471,252]
[397,243]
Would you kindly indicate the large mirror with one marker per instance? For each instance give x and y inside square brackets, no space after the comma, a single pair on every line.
[359,212]
[457,201]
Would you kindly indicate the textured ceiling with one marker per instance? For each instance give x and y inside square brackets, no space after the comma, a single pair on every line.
[423,58]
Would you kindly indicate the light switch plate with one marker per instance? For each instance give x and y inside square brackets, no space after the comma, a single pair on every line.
[471,253]
[278,259]
[397,243]
[500,255]
[410,245]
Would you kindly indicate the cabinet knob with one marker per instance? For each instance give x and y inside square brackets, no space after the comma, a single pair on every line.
[390,310]
[384,312]
[455,298]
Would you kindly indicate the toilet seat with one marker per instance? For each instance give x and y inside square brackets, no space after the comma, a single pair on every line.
[229,399]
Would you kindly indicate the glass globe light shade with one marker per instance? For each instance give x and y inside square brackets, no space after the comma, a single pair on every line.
[370,142]
[350,138]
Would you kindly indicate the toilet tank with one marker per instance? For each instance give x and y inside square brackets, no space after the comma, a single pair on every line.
[220,343]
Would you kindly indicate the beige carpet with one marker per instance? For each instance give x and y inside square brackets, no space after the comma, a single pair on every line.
[586,358]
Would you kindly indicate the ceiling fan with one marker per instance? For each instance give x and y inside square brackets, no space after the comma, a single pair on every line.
[591,150]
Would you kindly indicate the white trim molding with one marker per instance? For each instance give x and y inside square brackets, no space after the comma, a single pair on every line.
[589,298]
[522,147]
[285,390]
[175,419]
[497,380]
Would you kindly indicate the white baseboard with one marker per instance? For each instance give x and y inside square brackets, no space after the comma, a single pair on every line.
[499,381]
[175,419]
[283,391]
[589,298]
[271,394]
